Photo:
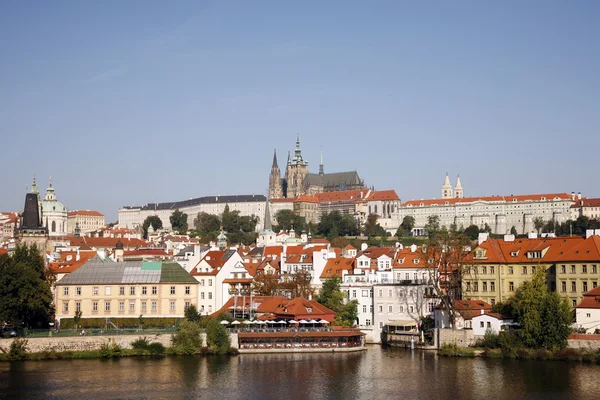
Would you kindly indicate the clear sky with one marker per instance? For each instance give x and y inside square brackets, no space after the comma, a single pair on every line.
[128,102]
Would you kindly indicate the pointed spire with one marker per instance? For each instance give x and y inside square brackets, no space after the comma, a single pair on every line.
[289,159]
[321,168]
[458,184]
[275,158]
[34,188]
[447,180]
[298,152]
[267,224]
[447,188]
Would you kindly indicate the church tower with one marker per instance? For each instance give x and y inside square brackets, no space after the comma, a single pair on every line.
[275,186]
[458,190]
[31,230]
[447,188]
[296,172]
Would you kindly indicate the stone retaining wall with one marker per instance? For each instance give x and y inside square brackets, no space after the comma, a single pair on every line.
[87,343]
[459,337]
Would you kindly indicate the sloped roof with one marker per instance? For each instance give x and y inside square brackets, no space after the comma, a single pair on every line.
[335,267]
[501,199]
[333,180]
[98,271]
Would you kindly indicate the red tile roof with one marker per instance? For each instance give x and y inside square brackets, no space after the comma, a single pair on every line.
[503,199]
[105,242]
[335,266]
[343,196]
[382,195]
[89,213]
[3,251]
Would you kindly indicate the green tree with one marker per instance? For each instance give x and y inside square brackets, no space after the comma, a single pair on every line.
[407,225]
[513,231]
[192,314]
[153,220]
[472,232]
[187,339]
[25,289]
[372,228]
[207,223]
[335,224]
[230,220]
[179,222]
[433,226]
[217,336]
[557,317]
[333,298]
[538,224]
[286,219]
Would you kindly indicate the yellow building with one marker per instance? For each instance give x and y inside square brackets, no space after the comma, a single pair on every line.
[496,268]
[102,288]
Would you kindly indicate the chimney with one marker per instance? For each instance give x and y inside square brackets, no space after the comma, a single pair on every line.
[413,248]
[482,311]
[509,238]
[364,246]
[579,195]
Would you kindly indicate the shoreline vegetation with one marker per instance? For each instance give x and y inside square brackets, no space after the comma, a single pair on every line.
[565,354]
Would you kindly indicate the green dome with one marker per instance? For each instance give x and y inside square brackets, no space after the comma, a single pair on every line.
[53,206]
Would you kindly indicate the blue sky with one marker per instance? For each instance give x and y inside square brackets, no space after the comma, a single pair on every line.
[138,101]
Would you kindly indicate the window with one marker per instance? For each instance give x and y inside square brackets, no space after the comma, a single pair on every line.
[107,306]
[380,292]
[201,295]
[594,284]
[491,269]
[585,287]
[78,291]
[153,306]
[380,307]
[510,270]
[66,306]
[574,303]
[572,269]
[132,290]
[368,322]
[493,301]
[201,282]
[563,269]
[353,294]
[594,269]
[95,290]
[172,289]
[371,308]
[210,295]
[66,291]
[584,269]
[390,294]
[121,306]
[492,286]
[210,282]
[533,270]
[365,293]
[78,306]
[573,286]
[511,286]
[187,290]
[154,289]
[364,308]
[95,306]
[588,315]
[481,324]
[144,308]
[563,286]
[484,270]
[468,286]
[187,304]
[172,306]
[524,270]
[107,290]
[144,290]
[390,308]
[475,286]
[484,288]
[132,306]
[209,309]
[489,324]
[411,309]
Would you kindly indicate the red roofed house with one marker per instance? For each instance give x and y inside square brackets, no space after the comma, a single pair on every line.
[218,274]
[465,310]
[587,313]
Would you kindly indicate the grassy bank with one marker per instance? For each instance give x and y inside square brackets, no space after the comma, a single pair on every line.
[567,354]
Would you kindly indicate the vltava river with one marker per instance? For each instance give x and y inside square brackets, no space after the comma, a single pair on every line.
[375,374]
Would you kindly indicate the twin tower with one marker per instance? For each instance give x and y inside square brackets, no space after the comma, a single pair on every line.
[447,192]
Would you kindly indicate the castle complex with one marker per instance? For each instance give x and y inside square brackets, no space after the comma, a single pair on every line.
[298,181]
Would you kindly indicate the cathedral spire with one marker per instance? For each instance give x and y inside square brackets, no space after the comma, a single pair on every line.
[275,158]
[267,224]
[34,188]
[447,188]
[458,190]
[321,168]
[298,152]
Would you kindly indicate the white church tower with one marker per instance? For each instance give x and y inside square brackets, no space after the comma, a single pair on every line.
[458,190]
[447,188]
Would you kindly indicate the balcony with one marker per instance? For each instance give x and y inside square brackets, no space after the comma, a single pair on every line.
[409,282]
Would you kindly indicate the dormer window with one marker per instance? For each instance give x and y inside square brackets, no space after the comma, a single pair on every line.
[308,309]
[416,261]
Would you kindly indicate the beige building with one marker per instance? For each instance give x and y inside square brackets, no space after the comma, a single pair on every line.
[88,221]
[107,289]
[586,207]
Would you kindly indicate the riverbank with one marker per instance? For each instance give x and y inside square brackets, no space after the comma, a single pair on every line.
[566,354]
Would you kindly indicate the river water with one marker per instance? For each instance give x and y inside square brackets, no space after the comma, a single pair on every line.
[374,374]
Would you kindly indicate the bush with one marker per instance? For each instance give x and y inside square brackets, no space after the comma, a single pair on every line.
[17,350]
[490,340]
[187,339]
[568,354]
[452,350]
[110,350]
[141,344]
[217,336]
[156,348]
[510,343]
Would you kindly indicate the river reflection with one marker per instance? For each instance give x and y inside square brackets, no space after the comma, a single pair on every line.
[375,374]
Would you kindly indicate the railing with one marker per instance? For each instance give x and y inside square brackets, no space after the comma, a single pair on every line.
[32,333]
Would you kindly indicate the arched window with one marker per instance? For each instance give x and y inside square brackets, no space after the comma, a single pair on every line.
[53,226]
